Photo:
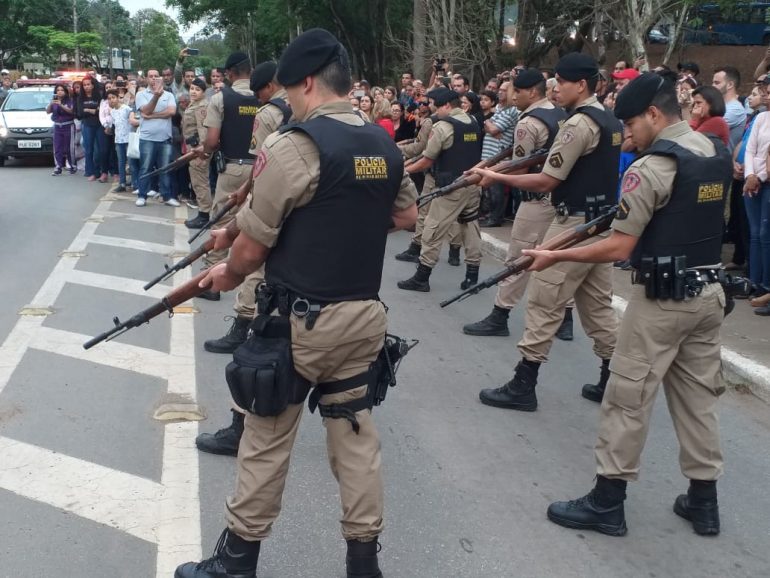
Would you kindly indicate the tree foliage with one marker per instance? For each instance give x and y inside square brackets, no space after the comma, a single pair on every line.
[157,39]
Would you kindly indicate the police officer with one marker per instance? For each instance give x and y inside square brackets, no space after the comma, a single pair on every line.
[581,175]
[194,133]
[229,120]
[329,188]
[453,147]
[412,150]
[536,129]
[669,223]
[271,116]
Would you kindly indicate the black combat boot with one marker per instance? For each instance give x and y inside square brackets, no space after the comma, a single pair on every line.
[210,295]
[471,276]
[412,254]
[699,505]
[601,509]
[565,329]
[233,557]
[420,280]
[518,393]
[496,323]
[454,256]
[234,337]
[596,392]
[224,442]
[361,561]
[200,221]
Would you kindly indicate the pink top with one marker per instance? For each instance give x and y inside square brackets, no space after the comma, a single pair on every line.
[755,162]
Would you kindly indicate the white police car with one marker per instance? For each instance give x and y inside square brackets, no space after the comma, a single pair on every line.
[26,129]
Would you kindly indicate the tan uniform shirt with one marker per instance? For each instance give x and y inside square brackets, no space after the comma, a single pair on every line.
[577,137]
[420,142]
[268,120]
[442,136]
[192,121]
[216,111]
[287,170]
[531,133]
[648,182]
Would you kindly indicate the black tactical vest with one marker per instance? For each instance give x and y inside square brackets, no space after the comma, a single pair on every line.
[284,108]
[238,123]
[595,175]
[332,249]
[551,118]
[464,153]
[691,223]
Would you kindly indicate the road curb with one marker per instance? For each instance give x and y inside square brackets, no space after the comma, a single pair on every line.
[738,371]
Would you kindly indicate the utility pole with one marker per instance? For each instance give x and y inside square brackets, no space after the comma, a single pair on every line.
[75,30]
[109,33]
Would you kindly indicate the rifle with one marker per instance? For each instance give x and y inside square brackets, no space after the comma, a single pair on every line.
[533,159]
[563,240]
[413,160]
[182,161]
[216,217]
[232,232]
[176,297]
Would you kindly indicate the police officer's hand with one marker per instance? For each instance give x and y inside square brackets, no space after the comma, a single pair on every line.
[485,175]
[200,153]
[751,186]
[240,195]
[220,279]
[542,259]
[222,239]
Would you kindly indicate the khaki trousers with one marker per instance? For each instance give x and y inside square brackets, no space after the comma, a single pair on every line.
[529,228]
[246,298]
[199,178]
[443,213]
[345,340]
[455,233]
[228,182]
[676,343]
[550,291]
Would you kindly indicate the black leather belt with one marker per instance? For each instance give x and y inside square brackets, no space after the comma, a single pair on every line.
[527,196]
[239,161]
[565,211]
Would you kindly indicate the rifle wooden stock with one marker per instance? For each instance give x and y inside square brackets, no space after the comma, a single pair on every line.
[182,161]
[216,217]
[504,167]
[176,297]
[563,240]
[232,233]
[413,160]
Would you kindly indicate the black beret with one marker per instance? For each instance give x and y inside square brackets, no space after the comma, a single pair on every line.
[528,78]
[307,54]
[442,95]
[577,66]
[262,75]
[199,83]
[235,59]
[636,97]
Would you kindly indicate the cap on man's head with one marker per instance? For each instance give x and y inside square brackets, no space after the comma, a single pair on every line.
[307,54]
[262,75]
[235,59]
[528,77]
[638,94]
[626,74]
[576,66]
[442,95]
[4,71]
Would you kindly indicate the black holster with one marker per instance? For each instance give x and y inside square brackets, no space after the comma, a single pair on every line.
[220,162]
[261,377]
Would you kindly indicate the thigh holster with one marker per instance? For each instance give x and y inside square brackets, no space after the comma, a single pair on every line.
[348,409]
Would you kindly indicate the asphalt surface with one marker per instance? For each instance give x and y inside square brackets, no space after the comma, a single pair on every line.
[467,485]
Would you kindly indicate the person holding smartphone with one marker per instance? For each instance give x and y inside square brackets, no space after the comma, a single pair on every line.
[61,108]
[183,75]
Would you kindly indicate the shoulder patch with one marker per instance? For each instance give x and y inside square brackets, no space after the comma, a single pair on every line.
[631,181]
[568,136]
[623,209]
[521,133]
[201,112]
[260,162]
[519,151]
[556,160]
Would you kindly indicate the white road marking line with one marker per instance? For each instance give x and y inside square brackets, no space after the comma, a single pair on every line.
[113,283]
[110,497]
[139,218]
[167,513]
[131,244]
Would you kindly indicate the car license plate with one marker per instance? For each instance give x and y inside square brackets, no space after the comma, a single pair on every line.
[30,144]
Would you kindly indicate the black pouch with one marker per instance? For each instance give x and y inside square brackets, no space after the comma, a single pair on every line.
[220,162]
[663,277]
[648,276]
[261,377]
[679,282]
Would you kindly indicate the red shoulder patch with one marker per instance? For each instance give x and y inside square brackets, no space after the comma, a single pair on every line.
[631,181]
[260,162]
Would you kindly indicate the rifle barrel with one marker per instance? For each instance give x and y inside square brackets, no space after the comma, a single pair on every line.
[215,218]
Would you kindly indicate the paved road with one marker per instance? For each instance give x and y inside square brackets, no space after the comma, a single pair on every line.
[92,486]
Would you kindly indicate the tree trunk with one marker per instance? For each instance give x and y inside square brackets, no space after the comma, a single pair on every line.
[675,34]
[418,39]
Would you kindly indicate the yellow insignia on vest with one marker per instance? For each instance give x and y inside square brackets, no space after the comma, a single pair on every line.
[247,110]
[470,137]
[519,151]
[370,168]
[556,160]
[617,139]
[708,192]
[561,122]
